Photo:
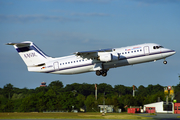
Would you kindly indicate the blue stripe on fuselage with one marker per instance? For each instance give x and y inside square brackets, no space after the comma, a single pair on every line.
[70,67]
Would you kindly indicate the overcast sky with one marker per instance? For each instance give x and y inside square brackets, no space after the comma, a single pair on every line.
[62,27]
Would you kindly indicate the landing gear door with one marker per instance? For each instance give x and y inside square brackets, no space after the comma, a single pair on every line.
[97,66]
[146,50]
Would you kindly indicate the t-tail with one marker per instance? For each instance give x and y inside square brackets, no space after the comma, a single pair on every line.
[31,54]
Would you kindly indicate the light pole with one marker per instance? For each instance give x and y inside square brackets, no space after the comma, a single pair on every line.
[103,113]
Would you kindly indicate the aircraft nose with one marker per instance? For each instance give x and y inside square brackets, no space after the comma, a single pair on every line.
[173,52]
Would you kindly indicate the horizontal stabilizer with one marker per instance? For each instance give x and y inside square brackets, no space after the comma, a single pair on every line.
[19,44]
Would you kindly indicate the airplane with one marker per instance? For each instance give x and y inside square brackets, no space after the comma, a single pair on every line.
[98,61]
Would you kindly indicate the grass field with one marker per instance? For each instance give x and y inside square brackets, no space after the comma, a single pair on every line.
[69,116]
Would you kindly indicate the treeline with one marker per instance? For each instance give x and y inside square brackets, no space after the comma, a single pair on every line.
[56,97]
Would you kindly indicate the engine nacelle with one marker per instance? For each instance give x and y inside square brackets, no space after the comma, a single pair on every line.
[107,57]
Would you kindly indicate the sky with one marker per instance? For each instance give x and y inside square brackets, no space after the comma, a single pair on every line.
[62,27]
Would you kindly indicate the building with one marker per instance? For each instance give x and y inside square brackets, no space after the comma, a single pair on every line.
[159,107]
[106,108]
[176,108]
[43,84]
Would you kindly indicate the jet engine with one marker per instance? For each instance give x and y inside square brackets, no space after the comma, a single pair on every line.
[107,57]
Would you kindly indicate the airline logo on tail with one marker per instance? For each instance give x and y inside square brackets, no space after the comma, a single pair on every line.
[30,55]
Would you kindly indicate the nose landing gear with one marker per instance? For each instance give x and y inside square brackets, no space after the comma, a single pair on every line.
[165,62]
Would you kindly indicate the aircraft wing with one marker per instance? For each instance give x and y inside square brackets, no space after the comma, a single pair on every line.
[91,54]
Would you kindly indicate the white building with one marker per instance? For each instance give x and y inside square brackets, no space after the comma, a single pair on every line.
[106,108]
[160,107]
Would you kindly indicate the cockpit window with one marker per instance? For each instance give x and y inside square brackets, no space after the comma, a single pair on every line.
[157,47]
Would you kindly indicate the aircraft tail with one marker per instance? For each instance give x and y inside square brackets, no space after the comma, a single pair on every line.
[30,53]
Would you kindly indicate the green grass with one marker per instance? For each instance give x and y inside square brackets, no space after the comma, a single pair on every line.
[69,116]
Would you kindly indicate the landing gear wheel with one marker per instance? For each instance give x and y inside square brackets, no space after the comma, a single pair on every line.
[104,74]
[98,72]
[165,62]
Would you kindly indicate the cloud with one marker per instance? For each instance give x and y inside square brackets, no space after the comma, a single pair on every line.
[33,18]
[81,14]
[90,14]
[157,1]
[80,1]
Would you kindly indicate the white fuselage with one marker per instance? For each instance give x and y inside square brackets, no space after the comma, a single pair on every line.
[121,57]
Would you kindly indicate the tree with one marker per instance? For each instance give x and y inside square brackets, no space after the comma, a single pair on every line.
[18,96]
[68,100]
[56,86]
[3,102]
[120,89]
[41,101]
[157,88]
[50,97]
[103,87]
[9,106]
[80,101]
[8,90]
[90,103]
[84,89]
[141,91]
[177,92]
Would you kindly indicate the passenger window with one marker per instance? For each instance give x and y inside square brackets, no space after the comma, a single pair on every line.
[74,61]
[125,52]
[131,51]
[79,60]
[137,50]
[140,50]
[128,52]
[63,63]
[134,51]
[68,62]
[122,53]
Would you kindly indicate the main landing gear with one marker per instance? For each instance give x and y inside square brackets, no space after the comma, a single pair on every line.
[101,72]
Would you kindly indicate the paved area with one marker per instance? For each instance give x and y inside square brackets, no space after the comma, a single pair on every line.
[163,116]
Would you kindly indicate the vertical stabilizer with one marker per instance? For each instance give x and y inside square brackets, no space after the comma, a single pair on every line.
[30,53]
